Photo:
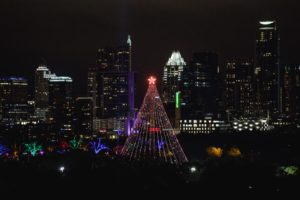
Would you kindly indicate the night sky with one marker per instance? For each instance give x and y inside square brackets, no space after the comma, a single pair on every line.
[66,34]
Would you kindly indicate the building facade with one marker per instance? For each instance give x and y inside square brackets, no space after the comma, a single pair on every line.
[171,86]
[291,93]
[111,85]
[206,125]
[267,70]
[13,100]
[42,77]
[202,87]
[61,103]
[83,115]
[172,77]
[239,100]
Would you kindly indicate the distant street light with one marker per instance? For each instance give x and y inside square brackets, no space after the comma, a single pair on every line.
[193,169]
[62,169]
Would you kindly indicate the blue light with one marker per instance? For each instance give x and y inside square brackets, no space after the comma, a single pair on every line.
[3,149]
[97,146]
[160,145]
[13,78]
[119,132]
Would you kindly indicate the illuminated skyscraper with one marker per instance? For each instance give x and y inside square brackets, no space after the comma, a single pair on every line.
[267,69]
[201,103]
[42,76]
[60,103]
[13,100]
[172,76]
[111,85]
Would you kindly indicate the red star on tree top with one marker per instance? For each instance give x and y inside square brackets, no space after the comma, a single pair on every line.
[152,80]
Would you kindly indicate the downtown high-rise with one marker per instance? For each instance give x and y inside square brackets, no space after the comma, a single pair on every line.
[61,104]
[171,86]
[14,108]
[268,84]
[201,86]
[111,86]
[202,108]
[42,77]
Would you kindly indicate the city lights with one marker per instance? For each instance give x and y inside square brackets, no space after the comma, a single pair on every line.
[186,102]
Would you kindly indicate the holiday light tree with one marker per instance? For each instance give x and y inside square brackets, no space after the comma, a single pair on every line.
[152,136]
[97,146]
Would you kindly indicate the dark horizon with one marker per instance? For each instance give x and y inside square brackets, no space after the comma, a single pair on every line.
[66,34]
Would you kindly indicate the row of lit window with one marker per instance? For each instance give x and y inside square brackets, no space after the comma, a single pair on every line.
[198,129]
[199,125]
[199,121]
[197,132]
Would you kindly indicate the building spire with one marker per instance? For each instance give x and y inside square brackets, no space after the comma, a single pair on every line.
[129,41]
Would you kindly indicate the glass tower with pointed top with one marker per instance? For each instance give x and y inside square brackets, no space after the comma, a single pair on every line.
[172,77]
[152,137]
[111,85]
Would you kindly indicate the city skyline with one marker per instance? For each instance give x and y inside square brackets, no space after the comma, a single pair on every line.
[38,34]
[102,97]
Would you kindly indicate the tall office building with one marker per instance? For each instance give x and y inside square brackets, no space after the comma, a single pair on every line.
[111,85]
[239,89]
[202,86]
[60,103]
[172,76]
[172,79]
[267,69]
[13,100]
[42,76]
[201,95]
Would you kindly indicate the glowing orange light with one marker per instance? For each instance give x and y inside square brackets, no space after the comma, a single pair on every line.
[214,151]
[234,152]
[152,80]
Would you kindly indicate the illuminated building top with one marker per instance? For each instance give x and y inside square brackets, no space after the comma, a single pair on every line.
[176,59]
[42,68]
[267,25]
[129,41]
[60,79]
[266,22]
